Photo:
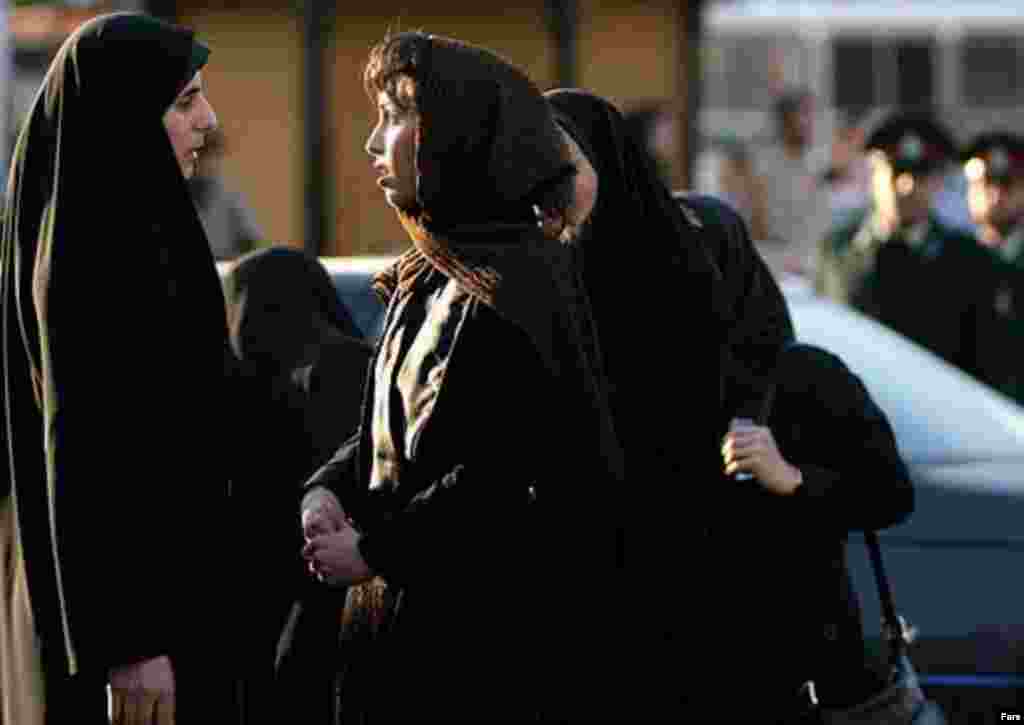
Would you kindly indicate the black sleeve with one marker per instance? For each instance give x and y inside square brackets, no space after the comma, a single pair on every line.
[853,475]
[450,524]
[757,309]
[755,314]
[341,472]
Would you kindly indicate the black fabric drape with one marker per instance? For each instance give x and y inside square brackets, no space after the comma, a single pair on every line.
[114,312]
[651,282]
[661,321]
[304,364]
[756,320]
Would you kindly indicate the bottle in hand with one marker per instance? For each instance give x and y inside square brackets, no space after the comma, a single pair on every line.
[736,425]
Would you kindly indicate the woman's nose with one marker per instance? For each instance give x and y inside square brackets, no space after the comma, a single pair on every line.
[373,147]
[208,120]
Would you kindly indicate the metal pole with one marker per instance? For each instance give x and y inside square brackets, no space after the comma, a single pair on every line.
[316,28]
[563,22]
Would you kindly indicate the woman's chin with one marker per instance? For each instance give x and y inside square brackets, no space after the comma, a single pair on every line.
[399,201]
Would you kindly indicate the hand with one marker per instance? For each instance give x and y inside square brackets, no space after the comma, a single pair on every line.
[321,514]
[752,449]
[143,693]
[335,558]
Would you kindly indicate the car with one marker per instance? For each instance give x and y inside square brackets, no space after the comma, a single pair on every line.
[955,566]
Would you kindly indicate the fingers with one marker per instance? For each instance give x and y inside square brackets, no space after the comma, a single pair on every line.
[739,466]
[312,547]
[311,552]
[318,521]
[165,713]
[147,707]
[740,445]
[134,707]
[116,707]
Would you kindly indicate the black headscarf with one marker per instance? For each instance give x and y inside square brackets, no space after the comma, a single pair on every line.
[487,151]
[114,316]
[653,288]
[281,306]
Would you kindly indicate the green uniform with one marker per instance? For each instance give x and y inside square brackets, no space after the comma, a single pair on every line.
[1007,361]
[933,284]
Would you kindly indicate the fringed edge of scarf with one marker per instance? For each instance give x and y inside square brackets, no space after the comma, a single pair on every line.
[432,251]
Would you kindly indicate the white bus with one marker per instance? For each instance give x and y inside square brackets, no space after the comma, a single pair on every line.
[964,60]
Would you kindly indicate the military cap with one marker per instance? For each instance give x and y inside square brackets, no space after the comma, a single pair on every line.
[996,155]
[912,142]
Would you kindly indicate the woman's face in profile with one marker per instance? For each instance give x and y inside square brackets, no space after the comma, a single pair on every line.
[392,146]
[187,121]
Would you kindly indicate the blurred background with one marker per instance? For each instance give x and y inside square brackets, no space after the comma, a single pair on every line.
[699,78]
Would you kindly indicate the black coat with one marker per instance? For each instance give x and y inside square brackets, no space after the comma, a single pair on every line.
[780,590]
[493,537]
[304,364]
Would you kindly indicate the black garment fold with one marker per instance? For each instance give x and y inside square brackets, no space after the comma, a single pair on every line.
[115,314]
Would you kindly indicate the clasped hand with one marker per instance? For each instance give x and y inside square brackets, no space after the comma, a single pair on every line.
[332,543]
[752,449]
[142,693]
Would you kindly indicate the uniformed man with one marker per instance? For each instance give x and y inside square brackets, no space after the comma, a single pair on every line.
[994,167]
[896,262]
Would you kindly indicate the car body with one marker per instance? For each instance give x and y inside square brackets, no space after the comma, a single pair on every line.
[955,566]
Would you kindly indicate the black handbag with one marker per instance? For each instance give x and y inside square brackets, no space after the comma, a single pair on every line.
[901,701]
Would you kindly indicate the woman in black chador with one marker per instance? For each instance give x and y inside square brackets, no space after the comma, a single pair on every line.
[668,331]
[305,363]
[824,463]
[476,511]
[114,362]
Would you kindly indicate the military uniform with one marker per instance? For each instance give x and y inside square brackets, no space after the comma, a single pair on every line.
[999,158]
[927,281]
[931,283]
[1007,297]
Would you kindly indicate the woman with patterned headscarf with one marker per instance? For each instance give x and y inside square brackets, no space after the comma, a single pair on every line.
[474,512]
[114,362]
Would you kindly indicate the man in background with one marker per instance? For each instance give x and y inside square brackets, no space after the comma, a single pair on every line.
[994,171]
[900,264]
[791,203]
